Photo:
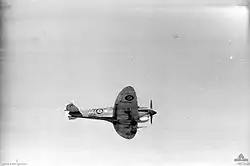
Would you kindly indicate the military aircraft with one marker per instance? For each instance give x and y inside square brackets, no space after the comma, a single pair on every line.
[125,114]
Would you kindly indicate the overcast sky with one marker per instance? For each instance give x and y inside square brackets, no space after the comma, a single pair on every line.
[192,61]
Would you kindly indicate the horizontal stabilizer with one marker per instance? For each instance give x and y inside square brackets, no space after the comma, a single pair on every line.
[71,117]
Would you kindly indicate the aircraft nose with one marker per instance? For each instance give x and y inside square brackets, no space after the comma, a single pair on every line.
[153,112]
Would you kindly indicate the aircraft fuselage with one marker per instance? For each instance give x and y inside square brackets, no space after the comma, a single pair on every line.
[107,114]
[125,116]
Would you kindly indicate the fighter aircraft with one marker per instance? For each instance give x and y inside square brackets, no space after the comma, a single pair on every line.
[125,114]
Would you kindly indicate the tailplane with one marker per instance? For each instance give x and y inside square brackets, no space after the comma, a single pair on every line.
[71,117]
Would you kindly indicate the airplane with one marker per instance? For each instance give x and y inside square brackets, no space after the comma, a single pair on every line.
[125,114]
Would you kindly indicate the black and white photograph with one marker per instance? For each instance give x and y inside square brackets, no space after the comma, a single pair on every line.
[125,82]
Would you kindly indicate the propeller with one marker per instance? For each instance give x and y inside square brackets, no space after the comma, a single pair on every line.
[151,118]
[151,104]
[151,113]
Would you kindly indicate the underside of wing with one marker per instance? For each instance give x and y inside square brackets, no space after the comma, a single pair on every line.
[126,113]
[126,106]
[126,129]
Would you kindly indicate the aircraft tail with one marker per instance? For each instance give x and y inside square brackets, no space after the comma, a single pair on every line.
[73,111]
[71,108]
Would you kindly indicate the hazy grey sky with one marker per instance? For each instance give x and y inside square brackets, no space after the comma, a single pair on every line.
[191,61]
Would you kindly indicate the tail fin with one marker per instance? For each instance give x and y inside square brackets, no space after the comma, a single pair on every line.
[71,108]
[73,111]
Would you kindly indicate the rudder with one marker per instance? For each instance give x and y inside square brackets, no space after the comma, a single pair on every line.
[71,108]
[73,111]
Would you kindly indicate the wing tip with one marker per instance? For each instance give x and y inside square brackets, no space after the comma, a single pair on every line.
[129,87]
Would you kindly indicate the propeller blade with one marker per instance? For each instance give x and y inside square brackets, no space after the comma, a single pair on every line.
[151,104]
[151,119]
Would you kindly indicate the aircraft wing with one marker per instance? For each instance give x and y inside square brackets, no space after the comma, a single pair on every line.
[126,113]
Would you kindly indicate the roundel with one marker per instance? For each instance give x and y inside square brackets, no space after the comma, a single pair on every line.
[99,111]
[129,97]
